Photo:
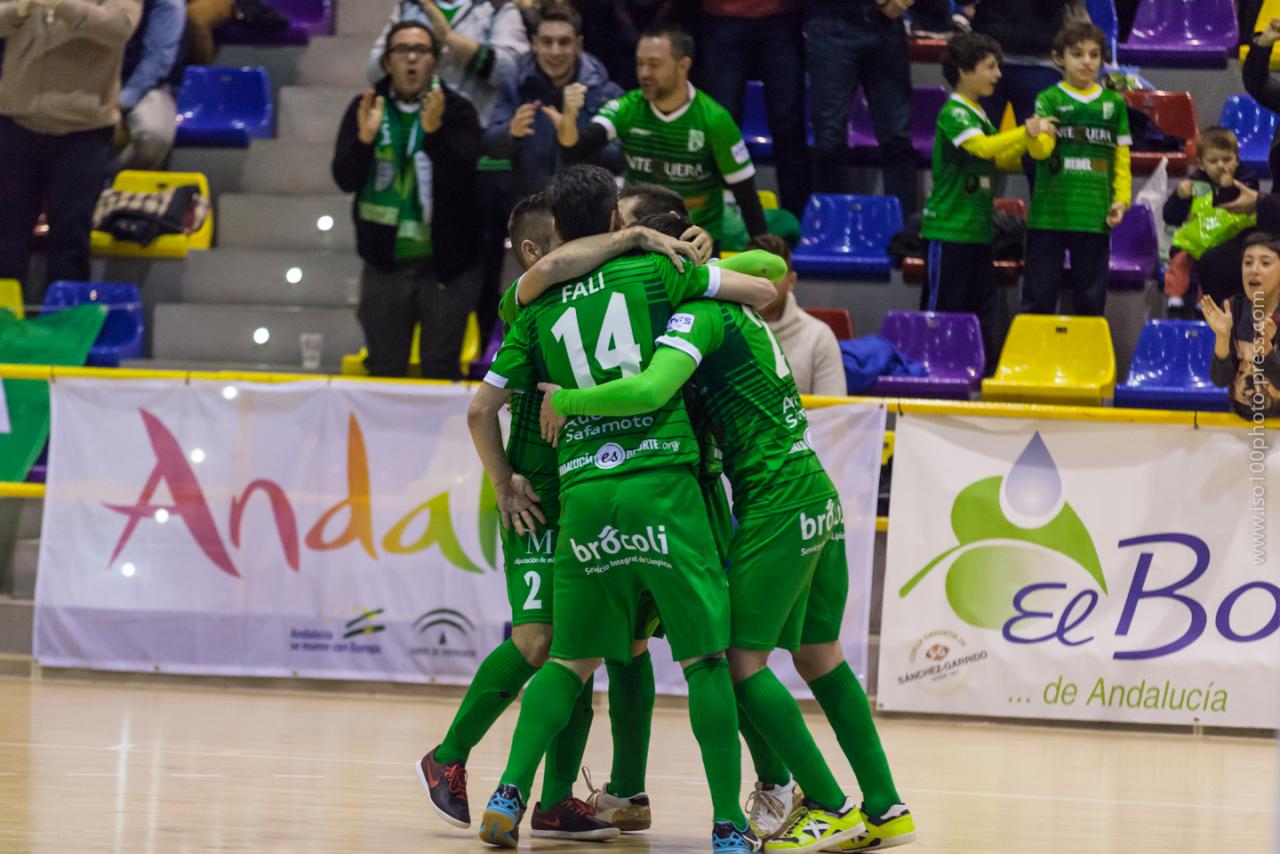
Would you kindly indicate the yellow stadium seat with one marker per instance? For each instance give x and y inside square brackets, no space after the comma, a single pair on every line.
[1055,359]
[1270,9]
[166,245]
[11,297]
[768,200]
[353,363]
[886,453]
[1008,122]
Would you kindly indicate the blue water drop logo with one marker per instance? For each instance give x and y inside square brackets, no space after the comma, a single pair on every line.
[1033,487]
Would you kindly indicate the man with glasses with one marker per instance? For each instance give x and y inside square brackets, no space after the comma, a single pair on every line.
[407,149]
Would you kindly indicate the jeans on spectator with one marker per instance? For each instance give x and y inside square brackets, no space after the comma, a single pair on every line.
[1019,86]
[1045,278]
[393,302]
[152,127]
[962,277]
[61,175]
[871,52]
[773,49]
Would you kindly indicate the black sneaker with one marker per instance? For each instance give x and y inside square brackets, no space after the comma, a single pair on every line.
[570,819]
[727,839]
[446,785]
[500,824]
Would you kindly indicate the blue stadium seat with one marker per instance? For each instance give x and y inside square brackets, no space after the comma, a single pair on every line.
[224,107]
[121,335]
[847,236]
[1255,126]
[1170,369]
[755,124]
[1103,15]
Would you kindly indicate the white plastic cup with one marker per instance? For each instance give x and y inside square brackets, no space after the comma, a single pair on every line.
[312,348]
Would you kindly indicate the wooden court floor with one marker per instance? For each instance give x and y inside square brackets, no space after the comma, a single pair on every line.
[109,767]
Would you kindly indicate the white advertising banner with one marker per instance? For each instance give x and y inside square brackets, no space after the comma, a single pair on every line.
[1082,571]
[323,530]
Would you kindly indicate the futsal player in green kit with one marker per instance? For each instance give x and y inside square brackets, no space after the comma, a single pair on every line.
[788,572]
[631,522]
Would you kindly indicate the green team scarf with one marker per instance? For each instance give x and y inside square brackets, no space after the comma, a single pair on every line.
[398,182]
[1208,226]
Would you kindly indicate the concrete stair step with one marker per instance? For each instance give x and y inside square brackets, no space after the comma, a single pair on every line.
[226,333]
[311,113]
[362,18]
[258,221]
[288,277]
[337,61]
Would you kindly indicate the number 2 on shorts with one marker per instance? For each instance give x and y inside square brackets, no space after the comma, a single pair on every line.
[532,602]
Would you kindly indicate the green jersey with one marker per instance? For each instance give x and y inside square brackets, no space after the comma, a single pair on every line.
[529,454]
[753,405]
[1074,186]
[961,207]
[596,329]
[694,151]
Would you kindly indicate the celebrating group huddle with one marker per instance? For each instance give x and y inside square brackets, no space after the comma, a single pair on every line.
[617,527]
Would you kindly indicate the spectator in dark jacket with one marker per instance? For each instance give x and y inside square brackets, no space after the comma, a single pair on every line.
[1246,351]
[521,128]
[408,150]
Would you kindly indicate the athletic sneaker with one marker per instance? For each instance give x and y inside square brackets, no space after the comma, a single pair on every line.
[770,806]
[814,828]
[501,822]
[890,829]
[570,819]
[728,839]
[627,814]
[446,785]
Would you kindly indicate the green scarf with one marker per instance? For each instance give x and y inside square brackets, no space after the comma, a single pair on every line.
[392,196]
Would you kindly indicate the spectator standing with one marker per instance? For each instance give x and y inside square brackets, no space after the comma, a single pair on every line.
[408,150]
[762,39]
[809,344]
[612,28]
[59,102]
[151,72]
[1083,184]
[1246,350]
[852,44]
[674,135]
[521,128]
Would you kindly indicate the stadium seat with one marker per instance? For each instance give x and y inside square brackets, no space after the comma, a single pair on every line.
[839,319]
[1180,34]
[1054,359]
[1008,271]
[847,236]
[224,107]
[1103,15]
[307,18]
[1269,9]
[166,245]
[1254,126]
[1135,252]
[1175,114]
[1170,369]
[121,335]
[11,297]
[755,124]
[948,345]
[926,51]
[926,101]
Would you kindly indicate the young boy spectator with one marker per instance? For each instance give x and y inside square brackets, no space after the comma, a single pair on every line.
[1246,350]
[1083,183]
[1201,225]
[958,218]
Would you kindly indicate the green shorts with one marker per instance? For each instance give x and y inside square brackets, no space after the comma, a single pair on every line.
[789,577]
[529,562]
[718,514]
[621,537]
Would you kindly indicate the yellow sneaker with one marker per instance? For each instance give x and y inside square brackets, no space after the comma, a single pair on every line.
[814,829]
[890,829]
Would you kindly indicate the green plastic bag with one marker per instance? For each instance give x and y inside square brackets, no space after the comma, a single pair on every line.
[1207,226]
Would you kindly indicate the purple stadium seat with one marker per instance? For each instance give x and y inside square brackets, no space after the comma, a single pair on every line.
[847,236]
[1135,253]
[1180,33]
[307,18]
[1170,369]
[948,345]
[926,101]
[1254,126]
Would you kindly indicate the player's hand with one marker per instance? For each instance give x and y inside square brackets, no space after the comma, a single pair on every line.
[369,116]
[1186,189]
[522,122]
[1037,125]
[518,504]
[701,240]
[1219,319]
[433,110]
[1115,214]
[1271,34]
[551,422]
[1245,203]
[894,9]
[575,95]
[649,240]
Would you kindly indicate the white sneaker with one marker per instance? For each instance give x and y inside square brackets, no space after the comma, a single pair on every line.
[770,805]
[628,814]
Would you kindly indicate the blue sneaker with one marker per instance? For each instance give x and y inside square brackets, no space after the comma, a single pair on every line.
[728,839]
[500,825]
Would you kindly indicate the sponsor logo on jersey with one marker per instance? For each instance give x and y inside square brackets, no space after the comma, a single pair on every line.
[682,322]
[740,152]
[610,541]
[824,523]
[697,139]
[640,132]
[639,164]
[610,456]
[683,171]
[1108,109]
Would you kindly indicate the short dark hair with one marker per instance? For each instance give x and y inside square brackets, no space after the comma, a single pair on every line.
[772,243]
[671,223]
[1079,32]
[583,199]
[400,27]
[559,14]
[681,41]
[963,53]
[1263,238]
[653,199]
[1216,139]
[525,220]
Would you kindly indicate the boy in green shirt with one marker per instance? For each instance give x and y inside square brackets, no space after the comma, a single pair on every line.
[1083,183]
[958,215]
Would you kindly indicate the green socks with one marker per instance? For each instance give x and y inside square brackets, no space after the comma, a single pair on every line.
[769,765]
[714,717]
[774,712]
[501,676]
[548,704]
[847,709]
[630,718]
[564,757]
